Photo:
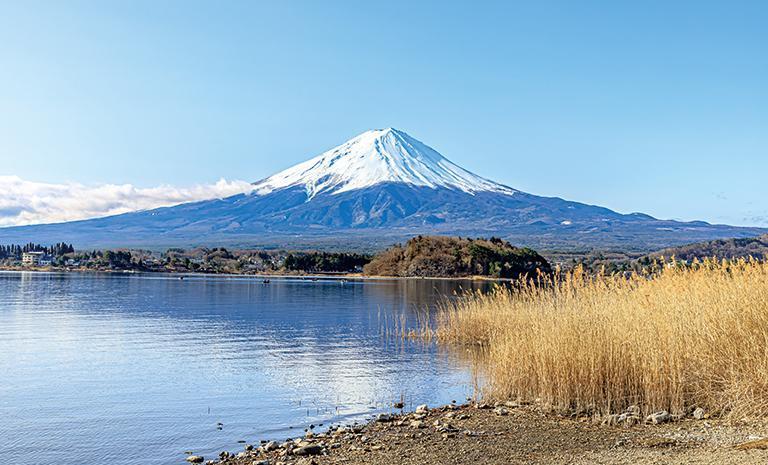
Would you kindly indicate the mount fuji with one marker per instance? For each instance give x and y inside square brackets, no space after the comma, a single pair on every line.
[378,188]
[377,157]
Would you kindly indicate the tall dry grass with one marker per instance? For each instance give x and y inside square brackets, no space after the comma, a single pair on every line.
[689,336]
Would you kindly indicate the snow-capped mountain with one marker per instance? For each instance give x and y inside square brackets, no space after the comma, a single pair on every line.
[375,157]
[380,187]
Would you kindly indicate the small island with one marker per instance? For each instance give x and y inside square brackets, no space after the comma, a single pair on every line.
[450,257]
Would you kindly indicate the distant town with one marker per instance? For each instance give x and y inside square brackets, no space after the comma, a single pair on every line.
[63,257]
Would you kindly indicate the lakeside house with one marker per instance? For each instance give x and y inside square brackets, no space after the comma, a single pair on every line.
[36,258]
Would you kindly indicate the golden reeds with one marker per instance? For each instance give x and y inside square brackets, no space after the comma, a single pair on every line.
[689,336]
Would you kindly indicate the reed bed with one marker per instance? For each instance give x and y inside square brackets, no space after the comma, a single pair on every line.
[686,337]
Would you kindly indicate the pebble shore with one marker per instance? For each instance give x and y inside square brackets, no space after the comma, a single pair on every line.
[511,433]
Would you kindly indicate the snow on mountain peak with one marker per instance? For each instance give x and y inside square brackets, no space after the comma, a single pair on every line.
[374,157]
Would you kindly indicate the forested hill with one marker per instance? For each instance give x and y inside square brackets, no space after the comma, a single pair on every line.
[441,256]
[756,247]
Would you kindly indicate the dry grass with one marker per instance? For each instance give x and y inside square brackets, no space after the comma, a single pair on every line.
[689,336]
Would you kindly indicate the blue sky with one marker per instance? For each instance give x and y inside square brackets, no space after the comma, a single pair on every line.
[660,107]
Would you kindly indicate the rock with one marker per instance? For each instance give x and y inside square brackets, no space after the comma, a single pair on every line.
[307,461]
[384,418]
[658,417]
[270,446]
[511,404]
[422,409]
[501,411]
[699,413]
[417,424]
[311,449]
[340,432]
[628,419]
[633,410]
[446,428]
[195,459]
[482,406]
[260,462]
[248,447]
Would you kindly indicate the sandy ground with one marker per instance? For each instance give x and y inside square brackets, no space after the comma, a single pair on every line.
[468,435]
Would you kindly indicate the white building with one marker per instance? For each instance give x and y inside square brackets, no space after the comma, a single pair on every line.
[35,259]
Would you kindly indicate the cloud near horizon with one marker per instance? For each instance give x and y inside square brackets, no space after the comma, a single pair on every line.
[25,202]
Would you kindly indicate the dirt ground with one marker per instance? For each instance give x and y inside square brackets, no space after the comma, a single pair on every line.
[470,435]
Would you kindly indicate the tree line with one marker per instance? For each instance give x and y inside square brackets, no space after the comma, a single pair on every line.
[15,251]
[316,262]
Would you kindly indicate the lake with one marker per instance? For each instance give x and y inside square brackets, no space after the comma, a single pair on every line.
[126,369]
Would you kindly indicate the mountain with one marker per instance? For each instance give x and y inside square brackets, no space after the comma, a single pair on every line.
[378,157]
[378,188]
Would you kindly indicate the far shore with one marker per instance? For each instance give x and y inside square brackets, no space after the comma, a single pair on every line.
[326,276]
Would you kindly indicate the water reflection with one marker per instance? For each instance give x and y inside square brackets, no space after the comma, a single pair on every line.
[127,368]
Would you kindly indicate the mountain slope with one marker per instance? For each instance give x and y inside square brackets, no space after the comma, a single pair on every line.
[380,187]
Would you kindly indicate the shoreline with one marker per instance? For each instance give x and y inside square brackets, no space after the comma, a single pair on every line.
[319,276]
[508,434]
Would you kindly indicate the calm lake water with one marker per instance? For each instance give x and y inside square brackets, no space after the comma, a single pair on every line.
[127,369]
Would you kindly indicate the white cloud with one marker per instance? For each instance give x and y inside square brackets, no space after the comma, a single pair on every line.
[26,202]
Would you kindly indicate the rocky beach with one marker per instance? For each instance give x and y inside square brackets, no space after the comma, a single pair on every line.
[515,434]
